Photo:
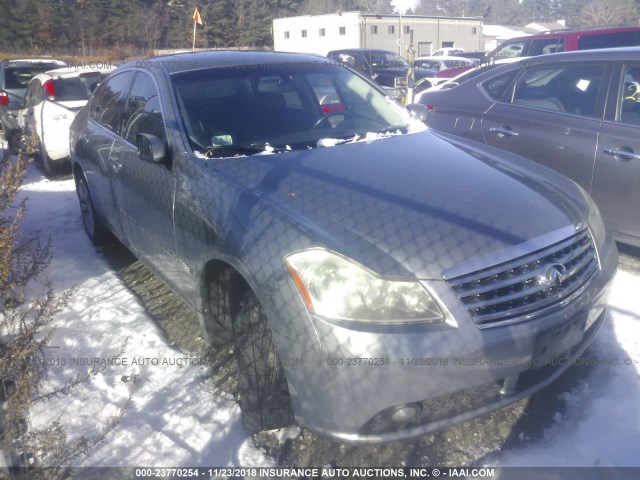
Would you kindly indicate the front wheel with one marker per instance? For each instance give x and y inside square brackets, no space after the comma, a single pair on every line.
[94,228]
[264,395]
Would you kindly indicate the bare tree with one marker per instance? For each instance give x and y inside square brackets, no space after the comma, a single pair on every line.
[606,12]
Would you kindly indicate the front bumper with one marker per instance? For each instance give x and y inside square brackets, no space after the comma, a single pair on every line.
[362,375]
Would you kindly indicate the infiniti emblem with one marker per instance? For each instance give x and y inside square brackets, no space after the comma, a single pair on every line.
[553,276]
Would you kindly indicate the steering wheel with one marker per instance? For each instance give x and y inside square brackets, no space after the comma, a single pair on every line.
[325,118]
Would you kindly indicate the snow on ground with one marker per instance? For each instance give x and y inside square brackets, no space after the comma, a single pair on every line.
[607,431]
[176,418]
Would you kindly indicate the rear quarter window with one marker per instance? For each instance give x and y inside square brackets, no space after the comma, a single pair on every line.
[609,40]
[496,86]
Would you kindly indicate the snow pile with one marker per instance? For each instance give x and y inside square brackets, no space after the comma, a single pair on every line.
[176,418]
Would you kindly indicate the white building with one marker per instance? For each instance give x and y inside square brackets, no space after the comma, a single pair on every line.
[494,35]
[320,34]
[547,27]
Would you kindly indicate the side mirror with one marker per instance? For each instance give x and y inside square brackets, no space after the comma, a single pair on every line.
[347,60]
[151,148]
[419,111]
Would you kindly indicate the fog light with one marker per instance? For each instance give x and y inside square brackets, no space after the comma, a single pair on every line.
[405,413]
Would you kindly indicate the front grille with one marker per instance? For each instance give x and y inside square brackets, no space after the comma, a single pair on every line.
[527,286]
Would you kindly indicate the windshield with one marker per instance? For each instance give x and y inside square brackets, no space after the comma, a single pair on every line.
[19,77]
[76,88]
[249,109]
[387,60]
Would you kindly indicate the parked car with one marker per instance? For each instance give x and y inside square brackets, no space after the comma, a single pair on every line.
[15,75]
[466,75]
[576,112]
[379,280]
[386,68]
[448,51]
[566,41]
[442,63]
[50,104]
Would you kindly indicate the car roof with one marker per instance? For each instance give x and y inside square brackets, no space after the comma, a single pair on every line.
[572,33]
[442,59]
[617,53]
[371,50]
[68,72]
[182,62]
[25,62]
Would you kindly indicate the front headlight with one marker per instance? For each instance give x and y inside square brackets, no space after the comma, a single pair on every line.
[336,287]
[595,219]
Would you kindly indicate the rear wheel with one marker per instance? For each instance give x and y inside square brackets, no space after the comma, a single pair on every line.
[50,169]
[13,141]
[94,228]
[264,395]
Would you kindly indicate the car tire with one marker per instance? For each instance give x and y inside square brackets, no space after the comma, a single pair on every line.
[92,225]
[50,169]
[219,299]
[264,394]
[13,141]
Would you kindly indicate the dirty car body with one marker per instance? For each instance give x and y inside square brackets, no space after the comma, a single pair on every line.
[380,260]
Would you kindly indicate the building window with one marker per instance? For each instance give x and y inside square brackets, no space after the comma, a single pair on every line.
[286,34]
[374,29]
[321,32]
[304,34]
[447,44]
[392,29]
[474,30]
[343,30]
[406,29]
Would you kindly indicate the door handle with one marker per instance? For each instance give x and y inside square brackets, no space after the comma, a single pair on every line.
[116,165]
[503,132]
[622,153]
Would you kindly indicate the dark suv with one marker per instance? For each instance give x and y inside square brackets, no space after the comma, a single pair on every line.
[566,41]
[15,75]
[386,68]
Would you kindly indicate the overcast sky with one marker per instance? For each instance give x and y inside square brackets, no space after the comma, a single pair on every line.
[403,5]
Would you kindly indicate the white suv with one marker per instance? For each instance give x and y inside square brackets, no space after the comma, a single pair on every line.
[50,104]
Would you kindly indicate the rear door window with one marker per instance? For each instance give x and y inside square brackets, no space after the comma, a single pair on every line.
[629,96]
[569,89]
[545,46]
[496,86]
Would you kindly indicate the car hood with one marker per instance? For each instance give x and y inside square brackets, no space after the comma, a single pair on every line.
[402,72]
[411,205]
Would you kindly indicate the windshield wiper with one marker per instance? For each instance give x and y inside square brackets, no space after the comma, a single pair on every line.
[219,151]
[403,127]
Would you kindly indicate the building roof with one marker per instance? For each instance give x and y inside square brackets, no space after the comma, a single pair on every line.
[546,27]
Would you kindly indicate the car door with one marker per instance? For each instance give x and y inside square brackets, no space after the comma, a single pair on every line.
[144,191]
[552,115]
[95,142]
[616,178]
